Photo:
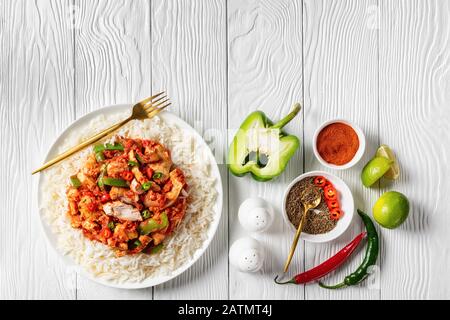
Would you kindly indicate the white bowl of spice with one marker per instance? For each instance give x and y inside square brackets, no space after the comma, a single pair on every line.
[333,215]
[339,144]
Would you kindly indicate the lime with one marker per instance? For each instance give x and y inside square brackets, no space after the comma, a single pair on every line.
[374,170]
[391,209]
[386,152]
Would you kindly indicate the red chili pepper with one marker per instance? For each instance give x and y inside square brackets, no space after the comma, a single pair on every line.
[330,193]
[105,197]
[149,171]
[332,204]
[336,213]
[320,181]
[127,175]
[106,233]
[327,184]
[329,265]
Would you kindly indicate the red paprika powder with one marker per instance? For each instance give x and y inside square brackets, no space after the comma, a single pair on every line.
[337,143]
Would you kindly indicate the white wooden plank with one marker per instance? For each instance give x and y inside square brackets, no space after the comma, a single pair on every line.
[112,60]
[36,103]
[414,121]
[340,72]
[189,62]
[265,73]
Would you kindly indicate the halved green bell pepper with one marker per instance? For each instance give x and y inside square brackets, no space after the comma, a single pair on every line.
[261,147]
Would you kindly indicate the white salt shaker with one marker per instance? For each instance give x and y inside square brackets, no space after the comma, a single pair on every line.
[255,215]
[247,255]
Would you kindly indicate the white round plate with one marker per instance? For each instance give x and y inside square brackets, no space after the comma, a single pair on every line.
[345,199]
[217,208]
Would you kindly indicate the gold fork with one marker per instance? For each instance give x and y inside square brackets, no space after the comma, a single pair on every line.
[144,109]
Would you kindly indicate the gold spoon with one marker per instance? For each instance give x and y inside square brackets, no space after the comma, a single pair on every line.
[313,202]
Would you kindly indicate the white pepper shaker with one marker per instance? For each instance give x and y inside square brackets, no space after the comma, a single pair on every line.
[247,255]
[256,215]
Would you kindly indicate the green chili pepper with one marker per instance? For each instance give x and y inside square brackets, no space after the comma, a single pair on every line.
[75,181]
[108,146]
[133,163]
[114,182]
[157,248]
[99,156]
[261,147]
[369,260]
[157,175]
[151,225]
[145,214]
[146,185]
[111,225]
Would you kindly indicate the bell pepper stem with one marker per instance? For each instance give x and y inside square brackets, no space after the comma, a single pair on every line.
[337,286]
[285,282]
[280,124]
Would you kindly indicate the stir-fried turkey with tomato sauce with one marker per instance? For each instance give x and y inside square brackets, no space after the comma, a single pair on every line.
[128,195]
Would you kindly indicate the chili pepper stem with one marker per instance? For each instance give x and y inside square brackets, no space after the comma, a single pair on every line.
[285,282]
[337,286]
[280,124]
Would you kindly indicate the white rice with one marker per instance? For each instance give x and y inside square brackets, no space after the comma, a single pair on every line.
[179,248]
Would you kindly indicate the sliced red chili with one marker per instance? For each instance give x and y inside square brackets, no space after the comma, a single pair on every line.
[328,184]
[336,214]
[330,193]
[127,175]
[332,204]
[149,171]
[320,181]
[106,233]
[105,197]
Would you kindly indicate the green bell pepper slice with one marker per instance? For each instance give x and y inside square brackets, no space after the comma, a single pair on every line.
[262,148]
[108,146]
[157,248]
[114,182]
[99,156]
[75,181]
[151,225]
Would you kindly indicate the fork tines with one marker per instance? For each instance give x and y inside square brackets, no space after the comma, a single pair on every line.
[152,107]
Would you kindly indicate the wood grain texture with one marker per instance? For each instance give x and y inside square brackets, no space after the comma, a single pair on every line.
[340,71]
[36,103]
[414,120]
[112,53]
[112,61]
[189,62]
[219,60]
[265,73]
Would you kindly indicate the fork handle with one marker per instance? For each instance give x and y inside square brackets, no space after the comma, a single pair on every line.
[294,243]
[82,145]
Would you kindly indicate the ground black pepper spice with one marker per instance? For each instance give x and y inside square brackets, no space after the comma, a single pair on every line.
[318,220]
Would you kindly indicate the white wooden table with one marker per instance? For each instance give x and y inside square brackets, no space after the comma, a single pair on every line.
[384,64]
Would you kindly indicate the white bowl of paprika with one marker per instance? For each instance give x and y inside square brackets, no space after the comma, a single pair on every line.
[339,144]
